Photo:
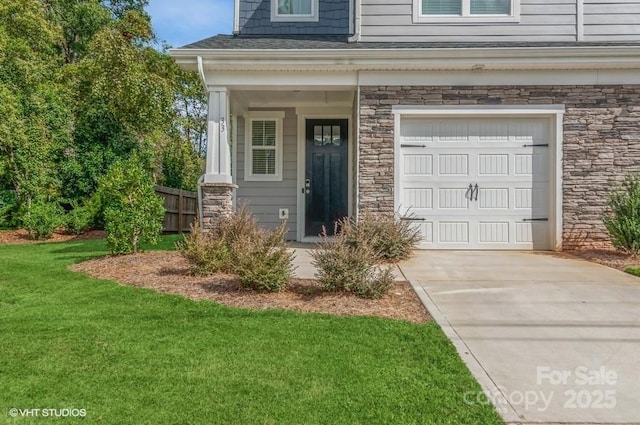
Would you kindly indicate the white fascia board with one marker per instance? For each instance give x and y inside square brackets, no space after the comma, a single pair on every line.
[607,57]
[348,80]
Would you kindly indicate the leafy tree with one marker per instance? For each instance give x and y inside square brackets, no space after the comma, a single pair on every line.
[181,165]
[80,89]
[33,101]
[120,7]
[124,94]
[191,111]
[133,213]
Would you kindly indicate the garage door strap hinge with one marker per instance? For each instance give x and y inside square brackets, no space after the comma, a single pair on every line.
[413,146]
[545,145]
[535,219]
[413,219]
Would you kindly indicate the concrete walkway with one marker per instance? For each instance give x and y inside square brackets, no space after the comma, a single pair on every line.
[551,339]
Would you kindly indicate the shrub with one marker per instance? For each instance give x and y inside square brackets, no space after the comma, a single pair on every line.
[81,218]
[206,253]
[238,245]
[262,260]
[133,213]
[347,262]
[623,222]
[8,208]
[391,238]
[42,218]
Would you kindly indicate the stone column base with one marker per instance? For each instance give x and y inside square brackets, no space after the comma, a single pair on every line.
[217,202]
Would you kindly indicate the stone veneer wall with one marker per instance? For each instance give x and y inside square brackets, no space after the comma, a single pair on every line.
[601,143]
[217,202]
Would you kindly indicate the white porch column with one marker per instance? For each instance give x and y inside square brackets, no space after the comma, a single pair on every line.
[218,168]
[217,187]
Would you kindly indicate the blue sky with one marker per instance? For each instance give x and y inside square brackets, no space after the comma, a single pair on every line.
[183,22]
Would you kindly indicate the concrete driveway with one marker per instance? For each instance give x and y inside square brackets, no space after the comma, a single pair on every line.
[551,339]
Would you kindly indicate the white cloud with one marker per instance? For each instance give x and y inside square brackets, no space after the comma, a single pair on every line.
[183,22]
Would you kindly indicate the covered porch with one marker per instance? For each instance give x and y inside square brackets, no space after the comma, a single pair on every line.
[288,150]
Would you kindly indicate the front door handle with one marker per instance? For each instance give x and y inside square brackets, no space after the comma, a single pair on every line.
[307,187]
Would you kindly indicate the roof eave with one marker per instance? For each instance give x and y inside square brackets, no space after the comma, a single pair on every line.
[595,57]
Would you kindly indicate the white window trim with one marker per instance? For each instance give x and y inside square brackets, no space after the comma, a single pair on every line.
[278,117]
[466,17]
[314,16]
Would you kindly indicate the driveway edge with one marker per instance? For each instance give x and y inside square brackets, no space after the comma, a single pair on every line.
[491,390]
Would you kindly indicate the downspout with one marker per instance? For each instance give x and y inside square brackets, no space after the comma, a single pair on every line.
[357,144]
[236,17]
[356,19]
[203,80]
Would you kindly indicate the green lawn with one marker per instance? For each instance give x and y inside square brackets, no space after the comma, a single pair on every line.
[635,270]
[134,356]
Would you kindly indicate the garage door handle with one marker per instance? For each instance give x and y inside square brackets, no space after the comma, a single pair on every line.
[413,219]
[535,219]
[475,190]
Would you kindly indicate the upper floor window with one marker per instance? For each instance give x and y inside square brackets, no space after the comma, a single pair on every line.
[294,10]
[466,11]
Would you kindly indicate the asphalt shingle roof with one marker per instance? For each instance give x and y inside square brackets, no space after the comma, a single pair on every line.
[222,42]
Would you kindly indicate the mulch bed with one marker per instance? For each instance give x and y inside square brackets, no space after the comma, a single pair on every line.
[610,258]
[169,272]
[13,237]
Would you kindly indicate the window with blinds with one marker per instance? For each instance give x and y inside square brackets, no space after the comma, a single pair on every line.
[295,7]
[263,156]
[442,7]
[490,7]
[466,8]
[263,146]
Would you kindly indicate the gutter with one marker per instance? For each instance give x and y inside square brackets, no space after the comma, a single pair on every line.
[355,54]
[443,59]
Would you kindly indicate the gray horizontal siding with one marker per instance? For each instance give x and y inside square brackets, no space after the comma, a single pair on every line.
[613,20]
[540,20]
[266,198]
[255,19]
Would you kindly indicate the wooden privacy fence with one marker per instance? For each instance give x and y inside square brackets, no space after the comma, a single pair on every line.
[181,208]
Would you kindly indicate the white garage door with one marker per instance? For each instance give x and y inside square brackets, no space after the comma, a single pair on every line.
[476,183]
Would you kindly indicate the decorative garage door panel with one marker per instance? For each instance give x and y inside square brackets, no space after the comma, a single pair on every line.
[478,183]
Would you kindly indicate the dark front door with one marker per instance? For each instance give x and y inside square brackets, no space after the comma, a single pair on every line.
[326,182]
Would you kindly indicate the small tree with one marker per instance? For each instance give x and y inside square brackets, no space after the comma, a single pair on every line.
[133,213]
[623,222]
